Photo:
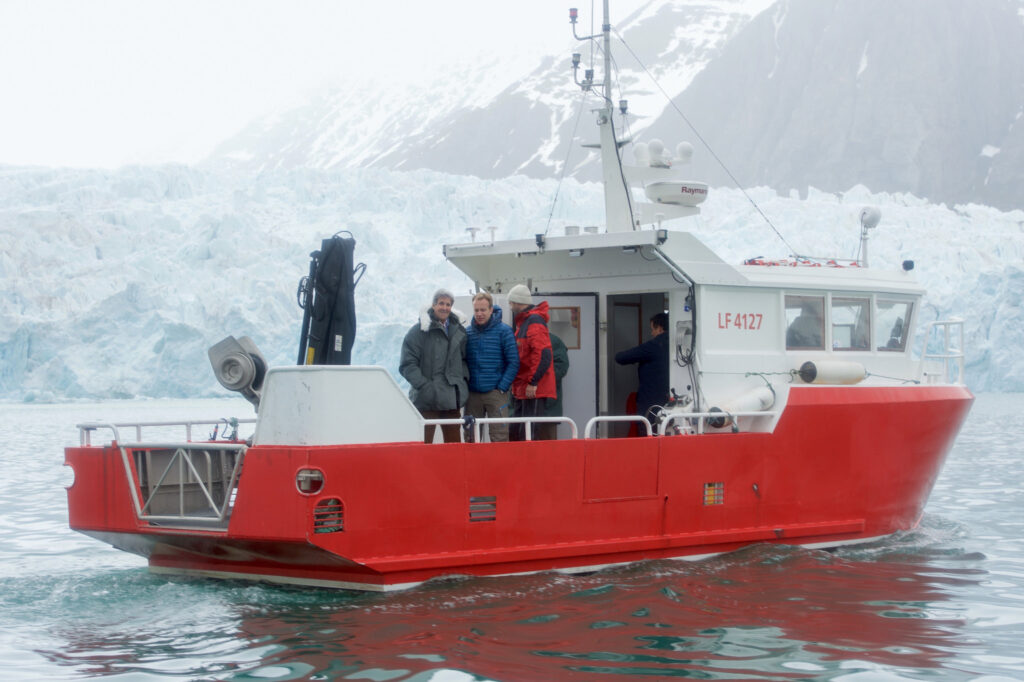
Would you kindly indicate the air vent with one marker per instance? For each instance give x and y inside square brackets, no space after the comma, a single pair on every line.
[329,516]
[714,493]
[483,508]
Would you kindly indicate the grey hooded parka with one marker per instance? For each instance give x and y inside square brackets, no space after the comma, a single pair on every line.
[434,363]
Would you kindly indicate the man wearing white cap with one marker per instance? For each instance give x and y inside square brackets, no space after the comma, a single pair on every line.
[535,381]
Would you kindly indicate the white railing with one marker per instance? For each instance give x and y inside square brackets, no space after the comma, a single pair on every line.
[476,422]
[701,419]
[616,419]
[950,357]
[195,483]
[85,430]
[185,483]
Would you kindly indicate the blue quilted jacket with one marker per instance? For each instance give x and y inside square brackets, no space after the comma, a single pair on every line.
[491,354]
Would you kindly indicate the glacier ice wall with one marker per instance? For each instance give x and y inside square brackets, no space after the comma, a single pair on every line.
[114,283]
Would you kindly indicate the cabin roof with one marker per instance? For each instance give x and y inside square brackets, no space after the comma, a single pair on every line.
[620,261]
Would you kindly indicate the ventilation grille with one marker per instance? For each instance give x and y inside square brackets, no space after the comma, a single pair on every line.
[483,508]
[329,516]
[714,493]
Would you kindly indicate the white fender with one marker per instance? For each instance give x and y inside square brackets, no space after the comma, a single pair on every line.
[755,400]
[832,372]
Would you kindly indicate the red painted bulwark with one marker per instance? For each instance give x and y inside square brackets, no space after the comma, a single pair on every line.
[843,463]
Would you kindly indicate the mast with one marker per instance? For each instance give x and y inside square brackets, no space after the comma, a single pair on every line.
[618,214]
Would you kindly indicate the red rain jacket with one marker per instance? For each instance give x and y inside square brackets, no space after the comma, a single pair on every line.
[535,359]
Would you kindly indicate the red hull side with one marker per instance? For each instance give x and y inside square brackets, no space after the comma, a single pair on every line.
[843,464]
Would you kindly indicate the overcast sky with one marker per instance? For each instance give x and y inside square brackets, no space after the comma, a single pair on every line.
[110,82]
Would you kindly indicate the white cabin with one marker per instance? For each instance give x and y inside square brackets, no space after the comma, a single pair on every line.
[734,329]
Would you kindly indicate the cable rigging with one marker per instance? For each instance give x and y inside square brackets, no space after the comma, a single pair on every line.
[707,146]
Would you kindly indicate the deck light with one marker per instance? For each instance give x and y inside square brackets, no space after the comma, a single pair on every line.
[572,15]
[623,105]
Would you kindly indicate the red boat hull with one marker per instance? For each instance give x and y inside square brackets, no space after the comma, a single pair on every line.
[843,465]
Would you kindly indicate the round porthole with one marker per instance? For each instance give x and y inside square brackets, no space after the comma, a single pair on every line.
[309,481]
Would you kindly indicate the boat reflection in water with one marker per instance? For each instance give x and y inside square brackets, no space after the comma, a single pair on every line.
[777,611]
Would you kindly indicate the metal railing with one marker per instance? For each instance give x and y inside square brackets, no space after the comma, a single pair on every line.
[85,430]
[950,357]
[190,483]
[477,422]
[616,419]
[701,419]
[178,483]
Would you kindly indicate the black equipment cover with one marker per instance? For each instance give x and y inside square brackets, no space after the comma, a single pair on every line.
[327,295]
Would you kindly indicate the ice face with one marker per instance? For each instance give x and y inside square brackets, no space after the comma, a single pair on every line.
[114,283]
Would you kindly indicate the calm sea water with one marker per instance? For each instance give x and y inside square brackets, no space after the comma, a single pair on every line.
[944,602]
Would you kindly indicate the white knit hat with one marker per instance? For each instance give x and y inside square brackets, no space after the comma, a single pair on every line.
[520,294]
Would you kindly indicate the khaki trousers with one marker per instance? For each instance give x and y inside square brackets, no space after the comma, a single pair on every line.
[495,405]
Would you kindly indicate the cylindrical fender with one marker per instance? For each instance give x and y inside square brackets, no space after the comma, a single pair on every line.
[832,372]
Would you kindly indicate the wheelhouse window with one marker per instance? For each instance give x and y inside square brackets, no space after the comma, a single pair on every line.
[805,322]
[851,328]
[892,325]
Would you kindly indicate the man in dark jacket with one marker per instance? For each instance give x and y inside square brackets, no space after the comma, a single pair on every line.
[652,360]
[553,408]
[493,362]
[535,380]
[434,363]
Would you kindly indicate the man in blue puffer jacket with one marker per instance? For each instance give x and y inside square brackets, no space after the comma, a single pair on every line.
[493,361]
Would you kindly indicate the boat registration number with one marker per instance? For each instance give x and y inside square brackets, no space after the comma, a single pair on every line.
[745,321]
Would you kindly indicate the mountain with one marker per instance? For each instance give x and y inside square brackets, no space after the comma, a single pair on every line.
[485,119]
[918,96]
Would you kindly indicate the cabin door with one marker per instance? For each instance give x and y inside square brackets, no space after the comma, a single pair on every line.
[628,326]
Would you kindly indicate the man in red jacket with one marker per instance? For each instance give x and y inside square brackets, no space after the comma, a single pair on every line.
[535,381]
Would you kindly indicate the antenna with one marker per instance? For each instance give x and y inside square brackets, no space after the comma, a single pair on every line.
[869,217]
[617,202]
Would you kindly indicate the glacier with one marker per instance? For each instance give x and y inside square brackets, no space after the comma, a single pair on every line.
[115,282]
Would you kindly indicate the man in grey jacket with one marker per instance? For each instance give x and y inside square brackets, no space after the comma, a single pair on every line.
[434,363]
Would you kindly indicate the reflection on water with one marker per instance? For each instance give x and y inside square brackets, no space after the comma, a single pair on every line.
[766,611]
[941,601]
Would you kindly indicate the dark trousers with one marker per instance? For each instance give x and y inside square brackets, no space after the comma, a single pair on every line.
[527,408]
[545,431]
[450,432]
